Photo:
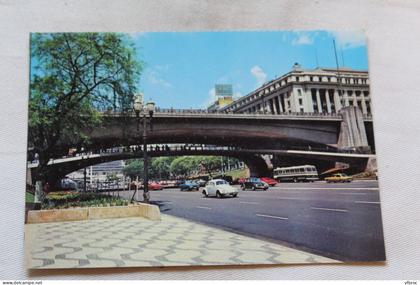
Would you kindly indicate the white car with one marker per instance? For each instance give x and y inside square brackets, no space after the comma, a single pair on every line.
[219,188]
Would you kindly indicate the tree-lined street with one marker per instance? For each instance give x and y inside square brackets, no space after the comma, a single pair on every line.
[341,221]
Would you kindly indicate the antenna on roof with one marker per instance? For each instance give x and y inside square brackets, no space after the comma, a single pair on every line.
[338,75]
[342,56]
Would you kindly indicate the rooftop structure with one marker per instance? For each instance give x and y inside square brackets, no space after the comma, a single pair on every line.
[224,93]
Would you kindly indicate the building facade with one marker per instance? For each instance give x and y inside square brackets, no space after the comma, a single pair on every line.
[320,90]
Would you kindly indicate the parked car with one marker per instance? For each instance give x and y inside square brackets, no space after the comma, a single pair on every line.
[189,185]
[338,177]
[201,182]
[155,186]
[219,188]
[269,181]
[168,183]
[241,180]
[67,184]
[254,183]
[179,182]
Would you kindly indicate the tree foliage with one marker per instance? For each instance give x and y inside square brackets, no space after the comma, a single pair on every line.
[165,167]
[72,76]
[159,168]
[134,168]
[186,165]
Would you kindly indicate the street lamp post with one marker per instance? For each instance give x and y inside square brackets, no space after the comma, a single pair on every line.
[84,180]
[147,113]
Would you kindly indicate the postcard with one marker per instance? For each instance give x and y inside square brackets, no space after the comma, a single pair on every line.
[158,149]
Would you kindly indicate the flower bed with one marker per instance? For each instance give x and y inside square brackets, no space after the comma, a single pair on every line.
[69,199]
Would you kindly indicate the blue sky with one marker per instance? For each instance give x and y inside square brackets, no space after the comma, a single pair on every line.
[181,69]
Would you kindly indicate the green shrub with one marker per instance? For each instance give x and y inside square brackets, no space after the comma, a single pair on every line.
[67,199]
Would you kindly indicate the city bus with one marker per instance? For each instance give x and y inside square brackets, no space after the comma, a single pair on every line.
[296,173]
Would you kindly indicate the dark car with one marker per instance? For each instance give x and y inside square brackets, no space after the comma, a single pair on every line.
[67,184]
[189,186]
[254,184]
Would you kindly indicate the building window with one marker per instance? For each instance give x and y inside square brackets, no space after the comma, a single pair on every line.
[300,101]
[299,92]
[368,107]
[297,78]
[311,78]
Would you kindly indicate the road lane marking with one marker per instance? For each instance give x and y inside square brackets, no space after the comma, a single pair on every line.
[366,202]
[329,209]
[289,198]
[274,217]
[202,207]
[244,202]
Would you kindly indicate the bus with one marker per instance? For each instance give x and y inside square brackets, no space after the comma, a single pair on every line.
[296,173]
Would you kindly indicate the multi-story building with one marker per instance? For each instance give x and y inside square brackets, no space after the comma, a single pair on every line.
[108,167]
[100,171]
[320,90]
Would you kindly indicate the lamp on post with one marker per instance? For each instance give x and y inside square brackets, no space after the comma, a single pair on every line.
[138,105]
[147,113]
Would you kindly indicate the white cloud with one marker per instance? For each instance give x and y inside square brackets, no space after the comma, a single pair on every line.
[154,77]
[237,95]
[302,38]
[210,99]
[349,39]
[158,81]
[259,75]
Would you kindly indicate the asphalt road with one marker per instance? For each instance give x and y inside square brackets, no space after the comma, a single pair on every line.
[341,221]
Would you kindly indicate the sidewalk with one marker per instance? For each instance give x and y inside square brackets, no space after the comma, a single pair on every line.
[138,242]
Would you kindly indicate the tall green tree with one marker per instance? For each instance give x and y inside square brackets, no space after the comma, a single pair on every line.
[210,163]
[161,167]
[134,168]
[185,165]
[72,76]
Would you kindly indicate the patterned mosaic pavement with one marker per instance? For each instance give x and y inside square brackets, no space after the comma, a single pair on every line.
[138,242]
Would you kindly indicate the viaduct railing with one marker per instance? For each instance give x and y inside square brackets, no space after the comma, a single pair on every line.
[165,149]
[215,113]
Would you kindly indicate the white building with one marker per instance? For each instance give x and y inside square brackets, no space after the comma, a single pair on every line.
[320,90]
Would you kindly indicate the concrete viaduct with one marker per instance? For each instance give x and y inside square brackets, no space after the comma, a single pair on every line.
[252,131]
[251,157]
[252,134]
